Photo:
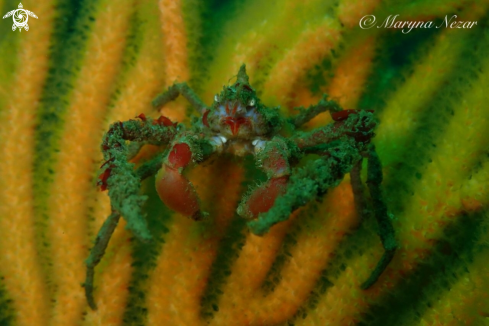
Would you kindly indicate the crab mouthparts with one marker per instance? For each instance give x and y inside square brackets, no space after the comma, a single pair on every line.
[235,123]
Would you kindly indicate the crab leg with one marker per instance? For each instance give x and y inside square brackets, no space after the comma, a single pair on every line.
[386,230]
[173,92]
[105,233]
[349,123]
[358,190]
[307,183]
[97,252]
[118,175]
[307,114]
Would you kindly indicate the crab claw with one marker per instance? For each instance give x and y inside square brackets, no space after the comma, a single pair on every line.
[177,192]
[263,198]
[173,188]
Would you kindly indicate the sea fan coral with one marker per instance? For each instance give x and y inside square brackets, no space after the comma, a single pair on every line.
[84,64]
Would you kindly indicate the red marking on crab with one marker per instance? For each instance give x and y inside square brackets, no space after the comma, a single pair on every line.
[263,198]
[344,114]
[235,107]
[164,121]
[103,179]
[106,147]
[121,126]
[180,155]
[204,118]
[107,162]
[235,123]
[106,174]
[177,192]
[142,116]
[363,137]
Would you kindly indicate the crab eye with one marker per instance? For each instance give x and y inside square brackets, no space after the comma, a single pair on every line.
[216,98]
[251,102]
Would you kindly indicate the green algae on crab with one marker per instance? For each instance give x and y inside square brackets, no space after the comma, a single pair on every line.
[427,89]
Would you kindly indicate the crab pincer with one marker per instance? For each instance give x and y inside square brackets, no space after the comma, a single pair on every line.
[173,188]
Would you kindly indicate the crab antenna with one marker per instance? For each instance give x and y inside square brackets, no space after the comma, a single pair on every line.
[242,76]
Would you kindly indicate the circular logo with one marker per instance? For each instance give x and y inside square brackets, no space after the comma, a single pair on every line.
[20,18]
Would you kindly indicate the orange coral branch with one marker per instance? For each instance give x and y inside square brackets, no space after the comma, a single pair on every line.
[68,225]
[175,41]
[351,73]
[19,261]
[429,74]
[334,307]
[464,301]
[259,47]
[315,247]
[247,275]
[260,34]
[351,11]
[429,10]
[313,45]
[175,51]
[348,81]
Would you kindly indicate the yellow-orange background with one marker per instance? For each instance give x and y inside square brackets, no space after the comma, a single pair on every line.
[85,64]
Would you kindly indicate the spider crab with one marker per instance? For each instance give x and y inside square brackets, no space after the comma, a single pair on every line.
[238,123]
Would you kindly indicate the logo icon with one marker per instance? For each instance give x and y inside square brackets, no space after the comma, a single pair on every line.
[20,17]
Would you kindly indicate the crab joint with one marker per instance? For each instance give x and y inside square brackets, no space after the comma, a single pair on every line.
[259,145]
[180,155]
[218,142]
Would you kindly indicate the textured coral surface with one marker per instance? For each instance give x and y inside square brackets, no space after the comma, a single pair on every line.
[86,63]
